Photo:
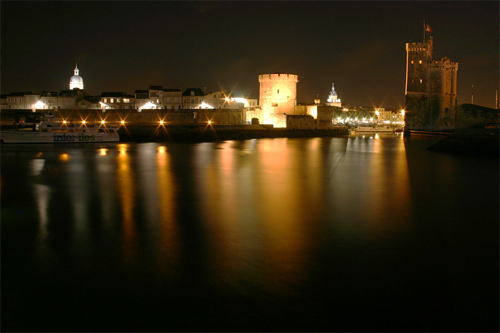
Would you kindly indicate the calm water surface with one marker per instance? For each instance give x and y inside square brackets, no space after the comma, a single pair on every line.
[369,233]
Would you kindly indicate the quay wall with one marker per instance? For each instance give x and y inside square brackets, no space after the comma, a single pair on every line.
[184,125]
[146,116]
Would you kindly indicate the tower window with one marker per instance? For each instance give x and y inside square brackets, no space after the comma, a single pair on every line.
[420,61]
[421,80]
[412,62]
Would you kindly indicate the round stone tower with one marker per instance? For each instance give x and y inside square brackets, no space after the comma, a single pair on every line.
[278,92]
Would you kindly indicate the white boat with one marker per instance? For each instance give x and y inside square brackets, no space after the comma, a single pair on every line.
[374,129]
[54,130]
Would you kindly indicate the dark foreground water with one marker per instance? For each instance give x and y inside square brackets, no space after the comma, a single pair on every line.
[334,234]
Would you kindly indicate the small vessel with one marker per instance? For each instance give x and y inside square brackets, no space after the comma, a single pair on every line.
[55,130]
[374,129]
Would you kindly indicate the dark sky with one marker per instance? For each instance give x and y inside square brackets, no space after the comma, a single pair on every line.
[360,46]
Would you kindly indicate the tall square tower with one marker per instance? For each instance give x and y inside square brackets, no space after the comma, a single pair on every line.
[431,85]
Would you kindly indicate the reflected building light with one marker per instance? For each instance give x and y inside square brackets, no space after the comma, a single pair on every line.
[126,190]
[37,166]
[161,149]
[42,194]
[64,157]
[103,151]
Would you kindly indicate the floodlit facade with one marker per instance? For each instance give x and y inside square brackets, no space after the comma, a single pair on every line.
[278,96]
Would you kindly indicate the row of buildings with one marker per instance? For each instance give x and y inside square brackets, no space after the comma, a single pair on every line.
[277,100]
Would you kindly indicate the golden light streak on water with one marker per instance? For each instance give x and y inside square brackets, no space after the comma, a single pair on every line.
[168,255]
[126,193]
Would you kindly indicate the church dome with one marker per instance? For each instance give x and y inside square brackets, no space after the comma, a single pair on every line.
[76,80]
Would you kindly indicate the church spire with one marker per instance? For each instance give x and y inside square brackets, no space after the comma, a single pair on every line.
[76,70]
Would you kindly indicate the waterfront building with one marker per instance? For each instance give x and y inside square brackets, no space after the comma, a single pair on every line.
[431,85]
[76,81]
[116,100]
[172,99]
[278,96]
[223,100]
[22,100]
[192,98]
[3,102]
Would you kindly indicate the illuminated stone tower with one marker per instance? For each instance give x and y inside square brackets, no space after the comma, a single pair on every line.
[278,92]
[76,80]
[431,85]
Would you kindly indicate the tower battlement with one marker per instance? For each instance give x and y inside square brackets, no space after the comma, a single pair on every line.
[278,77]
[417,47]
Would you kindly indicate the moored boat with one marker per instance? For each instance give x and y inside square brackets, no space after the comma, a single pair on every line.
[55,130]
[374,129]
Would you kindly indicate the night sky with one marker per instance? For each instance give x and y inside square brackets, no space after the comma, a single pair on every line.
[359,46]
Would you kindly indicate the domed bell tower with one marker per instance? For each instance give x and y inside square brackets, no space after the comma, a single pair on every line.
[76,80]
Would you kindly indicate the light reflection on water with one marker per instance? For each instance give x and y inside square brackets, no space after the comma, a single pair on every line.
[273,215]
[262,203]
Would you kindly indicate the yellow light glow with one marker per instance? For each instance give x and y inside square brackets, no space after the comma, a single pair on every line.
[64,121]
[161,122]
[123,122]
[161,149]
[83,122]
[209,122]
[103,122]
[64,157]
[103,152]
[403,112]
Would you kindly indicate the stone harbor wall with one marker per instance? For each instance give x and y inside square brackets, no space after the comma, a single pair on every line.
[431,118]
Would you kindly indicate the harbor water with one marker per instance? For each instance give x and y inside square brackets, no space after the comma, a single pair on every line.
[358,233]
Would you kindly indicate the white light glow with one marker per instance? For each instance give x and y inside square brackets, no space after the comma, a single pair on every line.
[40,105]
[240,100]
[204,105]
[148,105]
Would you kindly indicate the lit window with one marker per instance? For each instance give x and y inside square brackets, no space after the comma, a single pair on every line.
[112,100]
[420,80]
[126,100]
[420,61]
[118,100]
[412,62]
[105,100]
